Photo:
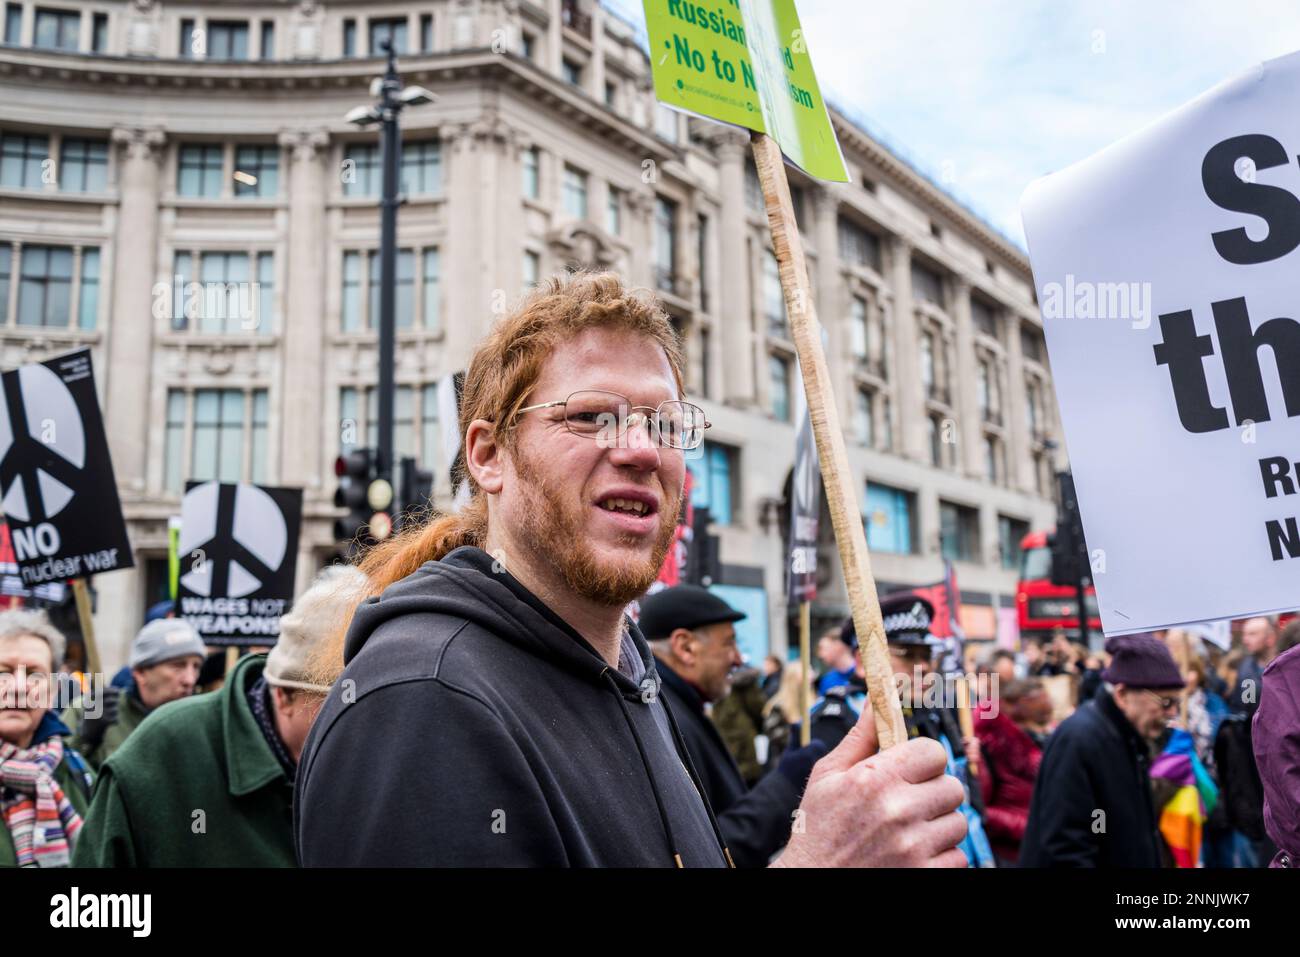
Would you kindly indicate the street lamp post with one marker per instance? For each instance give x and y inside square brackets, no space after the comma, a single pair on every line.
[392,99]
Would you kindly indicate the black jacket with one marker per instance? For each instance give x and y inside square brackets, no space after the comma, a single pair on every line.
[473,727]
[755,822]
[1092,801]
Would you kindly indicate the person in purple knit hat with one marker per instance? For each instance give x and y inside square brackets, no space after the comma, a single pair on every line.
[1276,735]
[1092,803]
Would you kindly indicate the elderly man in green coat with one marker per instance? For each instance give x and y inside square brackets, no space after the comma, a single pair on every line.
[208,781]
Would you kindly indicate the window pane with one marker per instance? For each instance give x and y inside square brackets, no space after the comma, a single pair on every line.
[349,424]
[89,304]
[260,413]
[404,304]
[431,290]
[351,307]
[429,426]
[532,179]
[174,441]
[265,317]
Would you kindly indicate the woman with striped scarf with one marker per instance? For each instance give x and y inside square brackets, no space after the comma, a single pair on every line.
[44,784]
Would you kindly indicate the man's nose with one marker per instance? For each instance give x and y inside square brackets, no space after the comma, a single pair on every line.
[637,447]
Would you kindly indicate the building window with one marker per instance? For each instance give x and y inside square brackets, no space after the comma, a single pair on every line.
[200,171]
[532,269]
[174,440]
[1031,344]
[702,251]
[528,45]
[959,532]
[711,478]
[426,33]
[927,362]
[773,297]
[6,272]
[431,292]
[890,519]
[83,166]
[983,387]
[268,40]
[349,37]
[403,421]
[350,314]
[22,160]
[222,297]
[927,285]
[611,94]
[614,211]
[227,40]
[99,33]
[779,377]
[886,425]
[218,442]
[387,30]
[429,425]
[993,469]
[984,318]
[753,189]
[45,286]
[361,171]
[1032,417]
[575,192]
[858,246]
[864,412]
[422,168]
[191,43]
[88,296]
[57,29]
[532,173]
[257,171]
[258,445]
[404,294]
[858,327]
[666,122]
[13,23]
[1011,532]
[938,437]
[665,244]
[571,71]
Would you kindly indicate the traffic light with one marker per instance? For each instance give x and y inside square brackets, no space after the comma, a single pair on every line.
[1070,563]
[416,493]
[367,498]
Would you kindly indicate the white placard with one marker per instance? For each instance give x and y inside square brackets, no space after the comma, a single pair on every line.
[1171,416]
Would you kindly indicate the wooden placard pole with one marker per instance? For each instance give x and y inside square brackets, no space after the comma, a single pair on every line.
[841,499]
[805,673]
[966,721]
[232,658]
[87,622]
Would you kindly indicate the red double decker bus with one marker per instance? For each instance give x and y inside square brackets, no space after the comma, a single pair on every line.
[1041,607]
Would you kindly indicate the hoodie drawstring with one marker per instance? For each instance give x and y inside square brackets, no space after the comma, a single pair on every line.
[685,755]
[645,762]
[685,758]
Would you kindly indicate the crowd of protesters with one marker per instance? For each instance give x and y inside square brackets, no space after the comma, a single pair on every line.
[475,693]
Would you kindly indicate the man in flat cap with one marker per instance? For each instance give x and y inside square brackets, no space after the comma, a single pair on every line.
[1092,802]
[693,635]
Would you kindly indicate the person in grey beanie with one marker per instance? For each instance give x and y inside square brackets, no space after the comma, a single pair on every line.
[165,658]
[1092,802]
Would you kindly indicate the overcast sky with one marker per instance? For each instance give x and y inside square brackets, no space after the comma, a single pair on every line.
[987,95]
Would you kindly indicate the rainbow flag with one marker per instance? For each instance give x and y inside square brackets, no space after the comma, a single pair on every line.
[1183,816]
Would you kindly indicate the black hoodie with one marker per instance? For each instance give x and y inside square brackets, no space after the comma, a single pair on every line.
[473,727]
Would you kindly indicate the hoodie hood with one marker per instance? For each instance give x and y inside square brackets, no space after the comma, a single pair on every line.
[1276,740]
[467,584]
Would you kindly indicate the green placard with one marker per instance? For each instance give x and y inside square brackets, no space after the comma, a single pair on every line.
[744,62]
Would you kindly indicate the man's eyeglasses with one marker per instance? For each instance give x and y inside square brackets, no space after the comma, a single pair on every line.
[608,416]
[1165,703]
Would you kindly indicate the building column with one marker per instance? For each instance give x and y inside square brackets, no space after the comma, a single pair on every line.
[130,327]
[965,381]
[735,331]
[909,391]
[304,304]
[555,37]
[1020,462]
[596,69]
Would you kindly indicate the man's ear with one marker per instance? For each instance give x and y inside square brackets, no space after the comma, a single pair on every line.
[682,641]
[483,456]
